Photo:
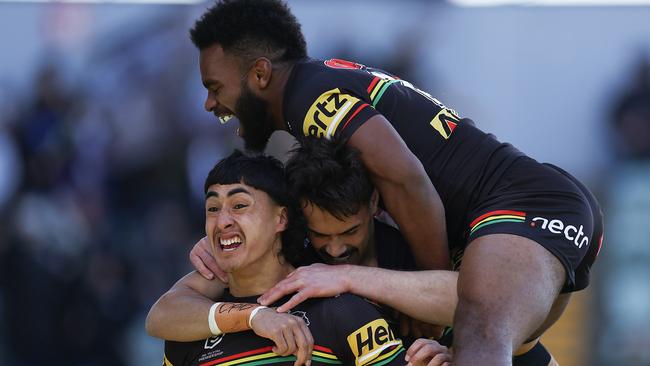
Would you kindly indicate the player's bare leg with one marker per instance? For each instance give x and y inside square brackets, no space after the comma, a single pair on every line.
[507,287]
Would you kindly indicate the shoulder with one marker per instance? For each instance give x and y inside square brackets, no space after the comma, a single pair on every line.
[320,100]
[363,334]
[393,252]
[342,309]
[349,301]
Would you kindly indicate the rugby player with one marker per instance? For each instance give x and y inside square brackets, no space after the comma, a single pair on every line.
[339,201]
[523,234]
[253,234]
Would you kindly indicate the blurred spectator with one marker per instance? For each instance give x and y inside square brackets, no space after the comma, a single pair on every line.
[625,295]
[98,221]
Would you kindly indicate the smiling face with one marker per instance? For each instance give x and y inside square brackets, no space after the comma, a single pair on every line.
[341,241]
[243,225]
[229,94]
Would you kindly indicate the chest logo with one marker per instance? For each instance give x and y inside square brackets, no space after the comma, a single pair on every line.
[212,342]
[371,341]
[327,112]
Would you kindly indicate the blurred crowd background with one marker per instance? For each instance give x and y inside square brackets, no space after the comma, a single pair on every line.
[104,146]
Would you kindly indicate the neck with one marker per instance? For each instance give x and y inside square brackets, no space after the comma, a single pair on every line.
[259,276]
[275,94]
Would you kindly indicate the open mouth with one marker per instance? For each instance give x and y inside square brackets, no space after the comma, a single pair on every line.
[225,118]
[346,257]
[223,114]
[230,244]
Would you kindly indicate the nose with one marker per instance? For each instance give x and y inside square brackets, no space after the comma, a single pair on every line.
[224,220]
[335,248]
[211,103]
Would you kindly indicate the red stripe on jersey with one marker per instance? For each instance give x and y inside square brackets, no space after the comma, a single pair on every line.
[323,349]
[372,84]
[498,212]
[364,105]
[240,355]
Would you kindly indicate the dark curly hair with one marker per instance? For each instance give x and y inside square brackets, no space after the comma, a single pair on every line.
[329,175]
[250,29]
[266,174]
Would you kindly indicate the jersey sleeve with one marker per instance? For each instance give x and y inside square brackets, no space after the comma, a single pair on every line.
[324,108]
[363,337]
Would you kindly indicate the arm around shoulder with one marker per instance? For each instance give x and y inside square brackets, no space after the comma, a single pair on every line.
[428,296]
[406,189]
[181,314]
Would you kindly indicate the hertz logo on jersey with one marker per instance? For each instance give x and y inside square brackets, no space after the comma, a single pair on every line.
[445,122]
[327,112]
[373,343]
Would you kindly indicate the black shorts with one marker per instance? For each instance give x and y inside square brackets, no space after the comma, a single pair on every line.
[544,203]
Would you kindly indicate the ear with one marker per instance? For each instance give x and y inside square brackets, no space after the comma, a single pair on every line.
[374,202]
[283,221]
[261,72]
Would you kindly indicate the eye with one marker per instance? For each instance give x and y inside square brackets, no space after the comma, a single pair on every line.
[213,209]
[239,206]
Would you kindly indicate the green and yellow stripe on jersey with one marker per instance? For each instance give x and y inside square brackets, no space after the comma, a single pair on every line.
[495,217]
[378,87]
[266,356]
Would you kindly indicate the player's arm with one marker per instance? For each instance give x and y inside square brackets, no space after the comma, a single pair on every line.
[429,296]
[406,190]
[181,314]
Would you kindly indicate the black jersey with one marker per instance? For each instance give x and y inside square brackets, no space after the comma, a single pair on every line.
[391,249]
[347,330]
[487,187]
[333,98]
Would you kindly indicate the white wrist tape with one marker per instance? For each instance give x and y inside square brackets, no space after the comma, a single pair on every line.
[253,313]
[212,321]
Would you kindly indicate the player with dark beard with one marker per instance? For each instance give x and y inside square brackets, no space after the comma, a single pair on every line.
[254,232]
[370,258]
[252,113]
[523,234]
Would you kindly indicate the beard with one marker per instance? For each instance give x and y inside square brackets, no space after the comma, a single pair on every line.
[350,256]
[255,119]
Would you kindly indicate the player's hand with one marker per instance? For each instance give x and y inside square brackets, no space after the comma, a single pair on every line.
[426,352]
[418,329]
[202,259]
[289,333]
[316,280]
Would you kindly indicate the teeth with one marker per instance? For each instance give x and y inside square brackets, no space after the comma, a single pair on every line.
[225,119]
[230,241]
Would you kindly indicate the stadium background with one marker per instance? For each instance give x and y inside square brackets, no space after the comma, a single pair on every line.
[104,146]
